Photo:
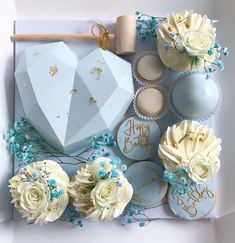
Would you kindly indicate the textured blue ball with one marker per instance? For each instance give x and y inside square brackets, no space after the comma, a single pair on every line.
[194,96]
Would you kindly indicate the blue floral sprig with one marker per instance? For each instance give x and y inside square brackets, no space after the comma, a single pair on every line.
[209,66]
[180,181]
[135,213]
[146,25]
[220,52]
[73,217]
[41,173]
[98,145]
[117,167]
[28,146]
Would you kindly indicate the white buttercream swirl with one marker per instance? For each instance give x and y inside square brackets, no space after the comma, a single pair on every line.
[191,145]
[33,199]
[97,198]
[194,33]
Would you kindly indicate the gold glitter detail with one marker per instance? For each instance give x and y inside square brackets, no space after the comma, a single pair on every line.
[27,174]
[97,71]
[53,70]
[178,19]
[73,91]
[92,101]
[170,29]
[90,178]
[84,191]
[201,139]
[175,145]
[187,25]
[87,207]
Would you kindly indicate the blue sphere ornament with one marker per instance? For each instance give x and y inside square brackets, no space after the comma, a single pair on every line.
[193,96]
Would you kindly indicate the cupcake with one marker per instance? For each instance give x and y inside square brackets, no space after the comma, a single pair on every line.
[149,69]
[150,103]
[183,41]
[192,146]
[39,191]
[194,96]
[100,190]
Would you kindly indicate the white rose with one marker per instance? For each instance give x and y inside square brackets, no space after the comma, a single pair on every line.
[101,198]
[89,174]
[34,197]
[104,193]
[197,42]
[185,27]
[202,168]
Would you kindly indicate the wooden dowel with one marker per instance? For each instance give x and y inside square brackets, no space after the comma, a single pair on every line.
[55,37]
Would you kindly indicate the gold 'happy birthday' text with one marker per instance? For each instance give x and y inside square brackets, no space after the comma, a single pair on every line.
[190,201]
[137,136]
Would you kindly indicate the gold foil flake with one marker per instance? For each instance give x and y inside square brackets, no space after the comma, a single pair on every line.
[53,70]
[97,71]
[170,29]
[84,191]
[187,25]
[86,208]
[73,91]
[92,101]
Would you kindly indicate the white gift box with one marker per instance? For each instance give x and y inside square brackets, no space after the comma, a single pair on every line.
[220,230]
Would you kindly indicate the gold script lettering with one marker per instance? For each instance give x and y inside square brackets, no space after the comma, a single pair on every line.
[137,136]
[189,202]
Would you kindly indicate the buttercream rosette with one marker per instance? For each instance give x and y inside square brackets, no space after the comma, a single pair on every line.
[39,191]
[100,191]
[193,146]
[183,40]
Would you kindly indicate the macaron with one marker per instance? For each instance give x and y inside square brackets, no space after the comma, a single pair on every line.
[148,68]
[150,101]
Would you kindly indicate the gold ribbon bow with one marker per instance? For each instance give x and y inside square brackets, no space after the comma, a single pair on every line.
[102,38]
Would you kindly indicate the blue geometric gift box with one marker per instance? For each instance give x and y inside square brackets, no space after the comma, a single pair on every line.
[68,100]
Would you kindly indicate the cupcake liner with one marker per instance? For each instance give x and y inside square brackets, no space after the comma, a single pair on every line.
[161,114]
[141,80]
[200,118]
